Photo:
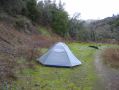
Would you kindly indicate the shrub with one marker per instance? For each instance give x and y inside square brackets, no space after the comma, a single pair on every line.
[23,24]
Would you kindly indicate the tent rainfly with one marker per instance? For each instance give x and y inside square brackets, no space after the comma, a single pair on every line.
[59,55]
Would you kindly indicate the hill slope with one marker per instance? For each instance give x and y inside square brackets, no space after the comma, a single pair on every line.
[20,38]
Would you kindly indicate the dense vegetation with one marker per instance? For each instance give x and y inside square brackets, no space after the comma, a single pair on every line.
[105,30]
[50,14]
[45,13]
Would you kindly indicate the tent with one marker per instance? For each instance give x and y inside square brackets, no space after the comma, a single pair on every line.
[59,55]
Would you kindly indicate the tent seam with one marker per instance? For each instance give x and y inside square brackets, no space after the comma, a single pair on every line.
[67,55]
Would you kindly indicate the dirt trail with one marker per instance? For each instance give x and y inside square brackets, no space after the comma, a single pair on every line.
[109,76]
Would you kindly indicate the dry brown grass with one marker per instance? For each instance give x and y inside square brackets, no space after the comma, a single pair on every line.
[45,41]
[18,50]
[7,65]
[111,57]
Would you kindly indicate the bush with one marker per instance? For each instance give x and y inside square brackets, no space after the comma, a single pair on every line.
[23,24]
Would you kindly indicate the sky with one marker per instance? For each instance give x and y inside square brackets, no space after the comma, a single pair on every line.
[92,9]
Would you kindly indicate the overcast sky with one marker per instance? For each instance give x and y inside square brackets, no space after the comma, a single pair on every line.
[92,9]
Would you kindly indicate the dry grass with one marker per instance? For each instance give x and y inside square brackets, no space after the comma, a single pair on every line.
[111,57]
[44,41]
[7,68]
[18,50]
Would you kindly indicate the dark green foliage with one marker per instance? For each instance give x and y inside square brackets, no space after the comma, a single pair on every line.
[20,7]
[115,23]
[53,15]
[33,12]
[60,22]
[46,12]
[12,7]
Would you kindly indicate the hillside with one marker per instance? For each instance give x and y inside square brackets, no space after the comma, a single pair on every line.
[28,28]
[106,30]
[24,27]
[20,41]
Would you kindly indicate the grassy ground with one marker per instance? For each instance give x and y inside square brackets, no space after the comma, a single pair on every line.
[44,31]
[82,77]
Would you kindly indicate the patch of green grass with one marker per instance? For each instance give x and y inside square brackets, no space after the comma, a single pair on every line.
[82,77]
[43,31]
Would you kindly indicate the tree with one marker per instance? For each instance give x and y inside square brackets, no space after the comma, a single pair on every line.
[75,26]
[54,16]
[60,22]
[33,12]
[12,7]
